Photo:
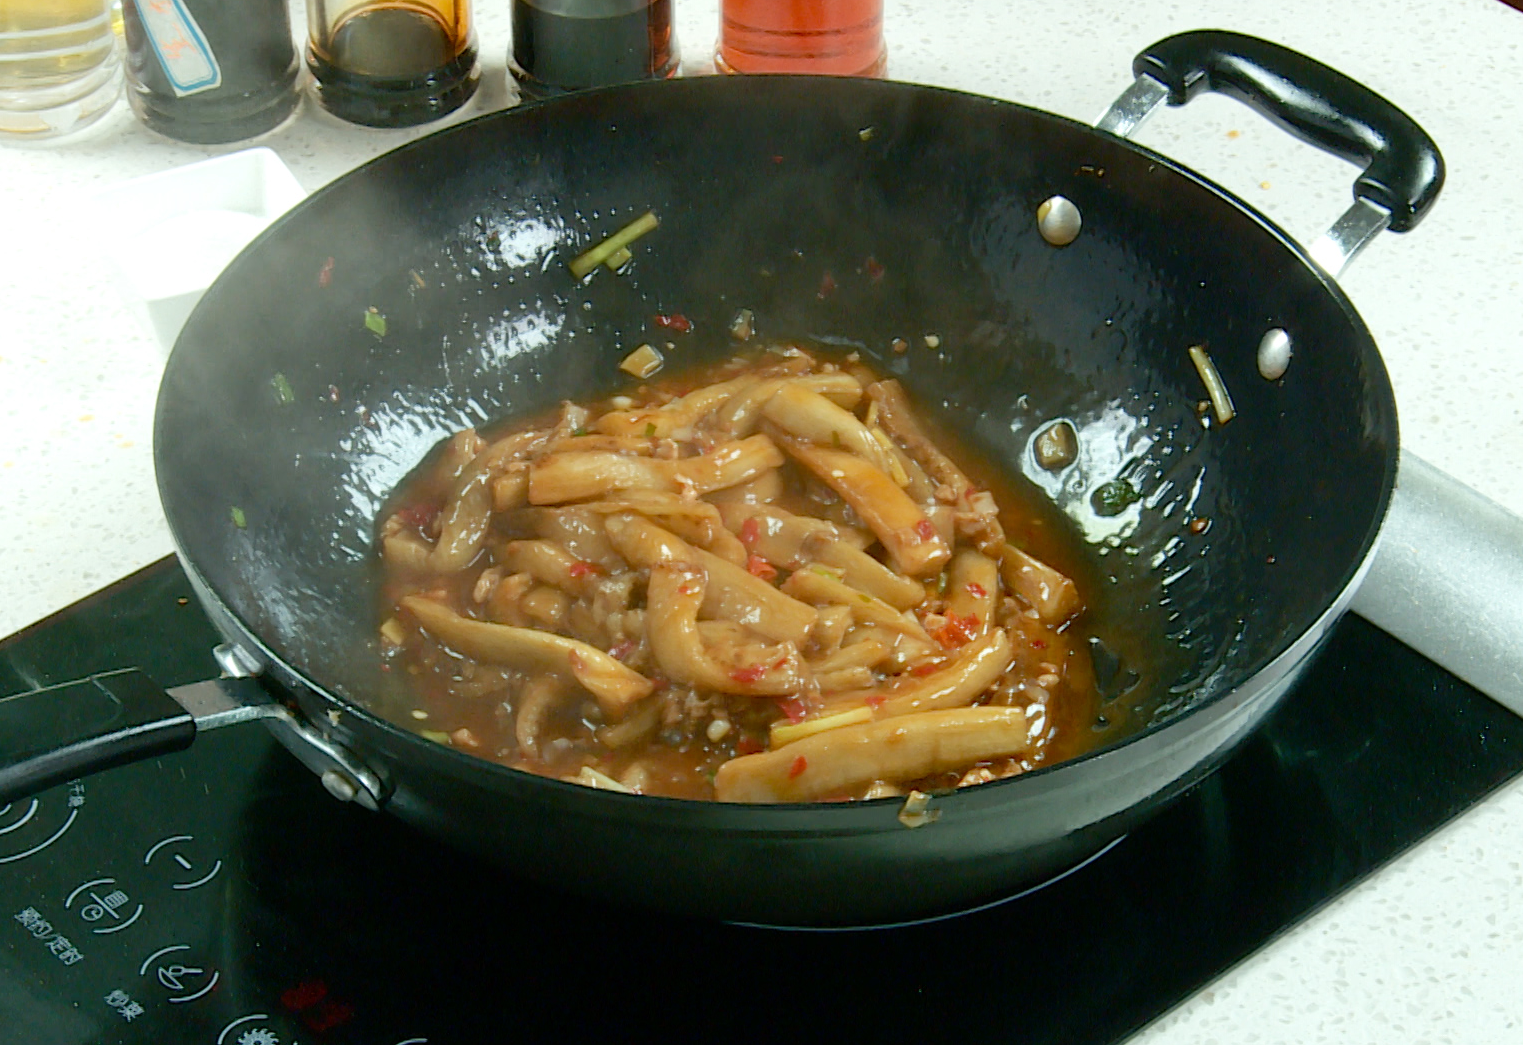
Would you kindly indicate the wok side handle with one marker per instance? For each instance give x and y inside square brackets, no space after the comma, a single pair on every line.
[1403,170]
[49,736]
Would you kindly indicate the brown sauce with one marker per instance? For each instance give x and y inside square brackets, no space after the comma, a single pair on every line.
[566,550]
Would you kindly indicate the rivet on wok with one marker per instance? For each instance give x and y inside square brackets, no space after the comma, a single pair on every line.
[1274,354]
[1058,221]
[340,785]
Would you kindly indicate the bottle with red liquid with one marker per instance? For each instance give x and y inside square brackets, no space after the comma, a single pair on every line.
[839,37]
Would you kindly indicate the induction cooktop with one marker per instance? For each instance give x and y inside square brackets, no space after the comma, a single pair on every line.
[221,897]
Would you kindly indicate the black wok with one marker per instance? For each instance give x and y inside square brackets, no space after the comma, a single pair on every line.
[285,420]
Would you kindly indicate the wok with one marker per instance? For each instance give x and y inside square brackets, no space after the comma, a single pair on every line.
[286,418]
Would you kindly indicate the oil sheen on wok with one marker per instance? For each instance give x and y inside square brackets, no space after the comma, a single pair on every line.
[769,581]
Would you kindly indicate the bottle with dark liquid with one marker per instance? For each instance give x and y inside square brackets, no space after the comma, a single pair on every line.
[385,63]
[210,71]
[570,45]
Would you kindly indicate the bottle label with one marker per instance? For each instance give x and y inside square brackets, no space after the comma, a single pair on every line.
[183,51]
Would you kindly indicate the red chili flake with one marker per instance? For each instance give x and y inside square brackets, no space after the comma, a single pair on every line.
[1200,525]
[621,650]
[1038,643]
[976,590]
[756,566]
[325,274]
[876,701]
[328,1015]
[957,631]
[827,287]
[778,158]
[676,321]
[926,530]
[922,670]
[747,746]
[799,765]
[304,995]
[750,531]
[420,515]
[581,568]
[793,708]
[751,674]
[873,268]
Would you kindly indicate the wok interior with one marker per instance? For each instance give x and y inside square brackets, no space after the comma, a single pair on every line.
[764,186]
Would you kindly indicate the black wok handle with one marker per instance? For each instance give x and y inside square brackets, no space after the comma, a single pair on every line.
[52,735]
[1403,170]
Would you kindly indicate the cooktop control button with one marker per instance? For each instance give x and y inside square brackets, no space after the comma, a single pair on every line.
[31,825]
[189,872]
[178,972]
[106,907]
[250,1030]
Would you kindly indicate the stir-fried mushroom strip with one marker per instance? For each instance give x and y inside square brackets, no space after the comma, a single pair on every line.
[771,585]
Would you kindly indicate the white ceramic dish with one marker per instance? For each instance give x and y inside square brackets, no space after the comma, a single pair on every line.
[170,234]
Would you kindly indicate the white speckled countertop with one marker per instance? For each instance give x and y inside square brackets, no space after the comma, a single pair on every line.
[1431,948]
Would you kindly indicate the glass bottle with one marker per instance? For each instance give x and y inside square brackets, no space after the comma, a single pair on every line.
[59,69]
[841,37]
[569,45]
[392,63]
[210,71]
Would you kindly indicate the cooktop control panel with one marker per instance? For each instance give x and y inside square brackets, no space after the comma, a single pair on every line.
[122,900]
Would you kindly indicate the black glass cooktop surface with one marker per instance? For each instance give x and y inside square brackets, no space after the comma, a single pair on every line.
[221,897]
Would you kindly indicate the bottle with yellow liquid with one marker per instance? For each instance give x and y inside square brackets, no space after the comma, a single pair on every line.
[59,69]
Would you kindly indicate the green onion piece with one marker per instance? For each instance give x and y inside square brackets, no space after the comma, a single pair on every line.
[585,263]
[375,322]
[283,393]
[618,259]
[239,520]
[1114,497]
[438,736]
[1216,388]
[650,430]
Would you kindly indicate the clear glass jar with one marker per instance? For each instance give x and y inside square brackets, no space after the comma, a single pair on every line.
[59,69]
[392,63]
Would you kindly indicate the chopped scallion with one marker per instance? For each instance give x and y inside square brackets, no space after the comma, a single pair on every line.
[1114,497]
[375,322]
[585,263]
[283,392]
[239,519]
[1216,388]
